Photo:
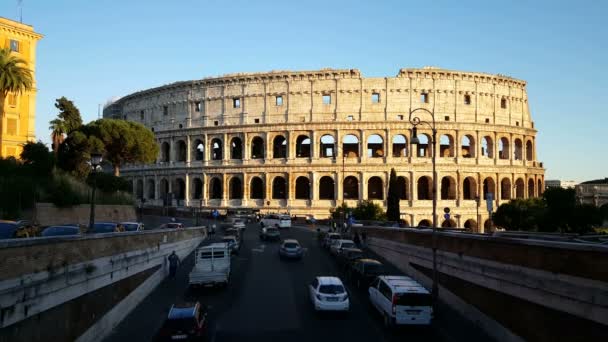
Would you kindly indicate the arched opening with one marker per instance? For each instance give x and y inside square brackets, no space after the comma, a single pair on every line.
[351,188]
[151,189]
[486,225]
[469,188]
[488,188]
[518,150]
[236,148]
[399,146]
[470,225]
[279,188]
[505,189]
[350,146]
[424,223]
[487,147]
[530,188]
[540,188]
[215,188]
[448,188]
[216,149]
[256,190]
[235,187]
[181,151]
[257,148]
[468,146]
[199,150]
[424,188]
[503,148]
[165,152]
[164,188]
[529,151]
[448,224]
[302,188]
[423,149]
[375,188]
[446,146]
[303,147]
[279,147]
[519,188]
[403,187]
[180,189]
[139,189]
[197,184]
[326,188]
[328,144]
[375,146]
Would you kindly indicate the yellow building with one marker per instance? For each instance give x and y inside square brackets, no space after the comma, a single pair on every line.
[20,110]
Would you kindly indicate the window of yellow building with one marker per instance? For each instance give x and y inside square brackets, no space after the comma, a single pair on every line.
[11,126]
[11,152]
[14,45]
[12,100]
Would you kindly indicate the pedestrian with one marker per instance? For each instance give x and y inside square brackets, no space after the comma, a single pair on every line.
[356,239]
[364,238]
[173,264]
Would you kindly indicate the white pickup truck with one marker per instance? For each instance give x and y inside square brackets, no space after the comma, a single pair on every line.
[211,265]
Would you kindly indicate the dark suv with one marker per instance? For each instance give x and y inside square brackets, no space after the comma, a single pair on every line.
[363,271]
[187,322]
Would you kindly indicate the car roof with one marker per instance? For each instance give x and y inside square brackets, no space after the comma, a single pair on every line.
[291,241]
[333,234]
[352,250]
[369,261]
[216,245]
[345,240]
[404,284]
[130,223]
[229,237]
[323,280]
[182,311]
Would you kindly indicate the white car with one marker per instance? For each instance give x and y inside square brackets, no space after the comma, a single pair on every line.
[239,224]
[401,301]
[328,294]
[275,220]
[338,245]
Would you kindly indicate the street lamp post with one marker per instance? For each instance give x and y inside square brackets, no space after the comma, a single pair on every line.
[95,161]
[415,121]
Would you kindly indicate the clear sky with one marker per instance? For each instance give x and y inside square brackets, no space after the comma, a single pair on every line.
[94,50]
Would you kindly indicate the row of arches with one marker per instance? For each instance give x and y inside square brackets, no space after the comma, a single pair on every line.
[351,147]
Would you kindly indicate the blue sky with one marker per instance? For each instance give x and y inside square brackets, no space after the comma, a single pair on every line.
[94,50]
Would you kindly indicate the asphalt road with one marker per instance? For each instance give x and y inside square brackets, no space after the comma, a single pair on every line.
[268,299]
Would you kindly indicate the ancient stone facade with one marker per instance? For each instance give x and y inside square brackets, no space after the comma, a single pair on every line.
[306,141]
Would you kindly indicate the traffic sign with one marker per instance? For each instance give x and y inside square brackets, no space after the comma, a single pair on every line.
[215,213]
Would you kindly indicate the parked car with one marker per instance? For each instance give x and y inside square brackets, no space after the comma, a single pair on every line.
[401,300]
[61,231]
[185,322]
[274,220]
[348,257]
[291,248]
[106,227]
[269,234]
[337,246]
[233,243]
[18,229]
[133,226]
[328,294]
[171,225]
[234,232]
[363,271]
[239,224]
[329,238]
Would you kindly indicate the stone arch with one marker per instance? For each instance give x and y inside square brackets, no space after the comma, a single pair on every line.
[236,148]
[424,223]
[425,187]
[350,146]
[529,151]
[470,225]
[375,146]
[530,188]
[375,188]
[505,189]
[399,146]
[279,188]
[403,187]
[423,148]
[302,188]
[519,188]
[328,146]
[467,146]
[235,188]
[216,149]
[139,188]
[215,188]
[326,188]
[448,188]
[487,147]
[165,149]
[279,147]
[446,146]
[303,146]
[199,150]
[181,151]
[351,187]
[487,226]
[256,189]
[518,149]
[469,188]
[503,148]
[448,224]
[489,187]
[257,148]
[197,188]
[151,191]
[179,189]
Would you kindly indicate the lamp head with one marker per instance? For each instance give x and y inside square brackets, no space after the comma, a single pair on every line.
[415,140]
[95,159]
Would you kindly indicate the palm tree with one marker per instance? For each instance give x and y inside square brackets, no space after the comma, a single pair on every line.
[58,132]
[15,77]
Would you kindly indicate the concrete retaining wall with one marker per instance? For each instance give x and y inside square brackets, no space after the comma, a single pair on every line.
[48,214]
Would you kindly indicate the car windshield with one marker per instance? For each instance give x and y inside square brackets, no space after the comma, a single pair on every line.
[174,225]
[229,240]
[348,245]
[130,226]
[291,245]
[413,299]
[180,323]
[272,230]
[7,230]
[331,289]
[373,268]
[334,237]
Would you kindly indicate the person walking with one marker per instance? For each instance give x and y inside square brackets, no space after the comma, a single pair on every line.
[364,238]
[173,264]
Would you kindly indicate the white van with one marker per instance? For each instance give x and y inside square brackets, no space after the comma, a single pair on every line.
[401,301]
[275,220]
[211,265]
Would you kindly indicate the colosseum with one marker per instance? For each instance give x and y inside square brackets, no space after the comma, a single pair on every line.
[306,141]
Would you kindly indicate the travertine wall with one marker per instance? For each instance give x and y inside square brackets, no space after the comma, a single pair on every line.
[47,214]
[222,139]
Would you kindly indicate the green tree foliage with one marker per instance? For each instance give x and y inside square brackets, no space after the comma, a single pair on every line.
[109,183]
[37,160]
[520,214]
[392,210]
[15,77]
[75,152]
[368,210]
[68,120]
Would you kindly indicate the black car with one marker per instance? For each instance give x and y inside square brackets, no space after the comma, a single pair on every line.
[348,256]
[186,322]
[363,271]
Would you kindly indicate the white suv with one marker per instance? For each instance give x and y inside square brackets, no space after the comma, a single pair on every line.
[328,294]
[401,300]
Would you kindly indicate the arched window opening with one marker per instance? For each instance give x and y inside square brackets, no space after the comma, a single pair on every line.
[375,146]
[303,147]
[424,188]
[399,146]
[446,146]
[302,188]
[530,188]
[505,189]
[468,146]
[215,188]
[165,152]
[257,148]
[448,188]
[424,223]
[181,151]
[326,188]
[351,188]
[350,146]
[256,190]
[279,147]
[469,188]
[470,225]
[198,188]
[503,148]
[151,189]
[199,150]
[180,189]
[216,151]
[423,148]
[279,188]
[448,224]
[488,188]
[486,225]
[487,147]
[518,150]
[236,148]
[375,188]
[529,151]
[403,188]
[328,145]
[236,188]
[139,189]
[519,188]
[164,188]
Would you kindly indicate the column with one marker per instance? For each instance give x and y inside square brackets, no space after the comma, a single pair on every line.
[156,187]
[314,143]
[245,190]
[363,147]
[206,148]
[188,150]
[268,148]
[314,189]
[268,186]
[246,147]
[388,151]
[413,188]
[187,187]
[338,187]
[362,186]
[224,190]
[172,150]
[226,148]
